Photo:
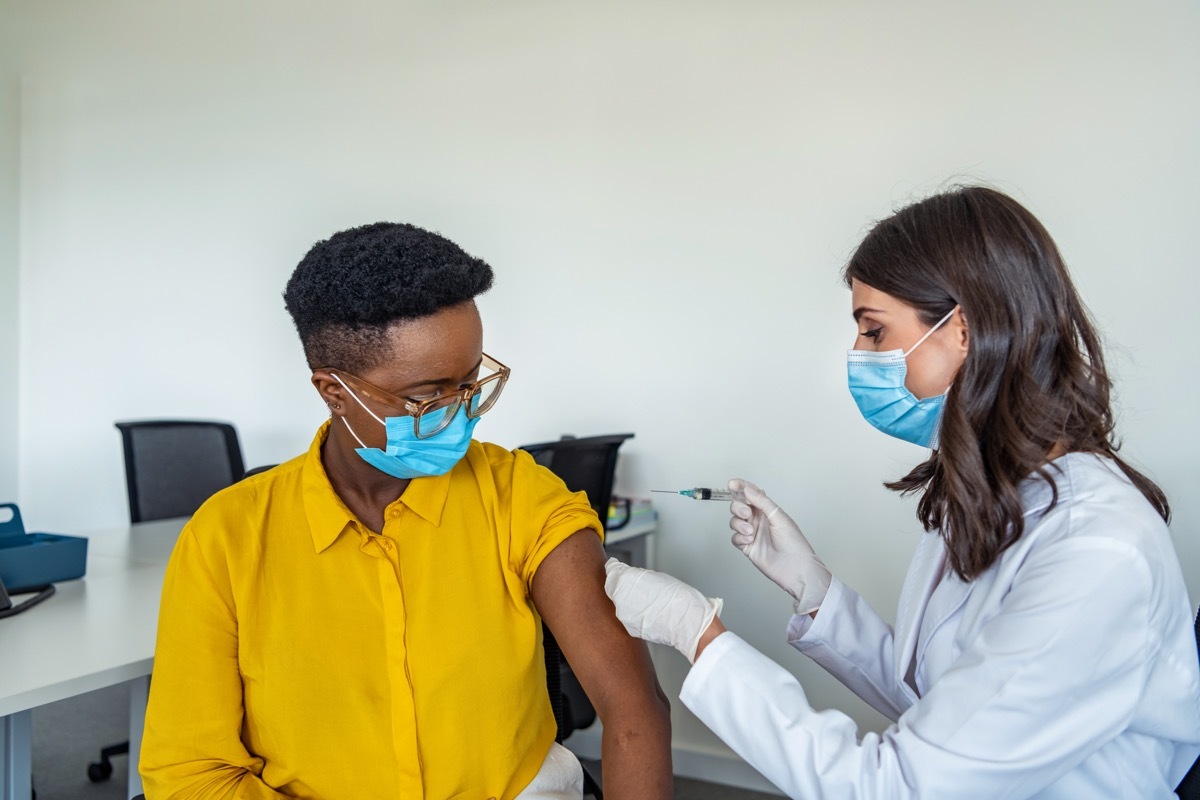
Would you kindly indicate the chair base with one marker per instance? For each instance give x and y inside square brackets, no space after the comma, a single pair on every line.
[102,770]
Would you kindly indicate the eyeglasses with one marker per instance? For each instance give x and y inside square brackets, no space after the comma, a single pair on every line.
[432,416]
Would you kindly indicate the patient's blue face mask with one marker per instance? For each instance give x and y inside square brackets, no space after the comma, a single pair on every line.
[405,456]
[877,384]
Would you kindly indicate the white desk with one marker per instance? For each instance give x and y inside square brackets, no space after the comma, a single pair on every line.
[95,632]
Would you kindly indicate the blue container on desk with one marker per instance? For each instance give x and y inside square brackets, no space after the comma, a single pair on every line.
[35,559]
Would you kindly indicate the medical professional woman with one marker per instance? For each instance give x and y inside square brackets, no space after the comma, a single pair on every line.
[1043,644]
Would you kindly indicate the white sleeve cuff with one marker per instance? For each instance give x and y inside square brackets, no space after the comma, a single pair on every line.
[803,630]
[705,664]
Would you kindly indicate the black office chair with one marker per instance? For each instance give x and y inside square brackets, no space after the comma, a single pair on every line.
[171,468]
[1189,787]
[585,465]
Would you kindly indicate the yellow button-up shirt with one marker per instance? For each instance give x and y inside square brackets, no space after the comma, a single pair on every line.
[302,655]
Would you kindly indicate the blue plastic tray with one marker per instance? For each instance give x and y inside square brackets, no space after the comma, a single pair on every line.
[35,559]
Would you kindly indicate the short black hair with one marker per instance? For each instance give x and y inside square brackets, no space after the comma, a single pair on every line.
[349,288]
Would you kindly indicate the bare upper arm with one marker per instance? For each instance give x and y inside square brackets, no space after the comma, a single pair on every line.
[568,591]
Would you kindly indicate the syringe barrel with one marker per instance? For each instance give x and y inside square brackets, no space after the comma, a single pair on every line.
[701,493]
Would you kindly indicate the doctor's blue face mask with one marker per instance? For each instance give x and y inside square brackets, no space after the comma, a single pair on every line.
[405,456]
[877,385]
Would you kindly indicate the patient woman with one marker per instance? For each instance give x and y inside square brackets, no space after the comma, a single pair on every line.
[363,622]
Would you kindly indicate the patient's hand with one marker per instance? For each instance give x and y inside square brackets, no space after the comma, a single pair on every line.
[614,669]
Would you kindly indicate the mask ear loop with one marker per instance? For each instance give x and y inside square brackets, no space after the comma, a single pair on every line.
[361,443]
[928,333]
[361,403]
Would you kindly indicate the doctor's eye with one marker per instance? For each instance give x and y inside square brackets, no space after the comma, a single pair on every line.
[873,333]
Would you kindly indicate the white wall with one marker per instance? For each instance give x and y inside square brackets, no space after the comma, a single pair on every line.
[666,191]
[9,194]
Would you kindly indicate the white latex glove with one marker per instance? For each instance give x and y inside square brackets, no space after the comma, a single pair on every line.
[773,543]
[659,608]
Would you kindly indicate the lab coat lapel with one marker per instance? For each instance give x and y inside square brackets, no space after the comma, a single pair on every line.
[922,578]
[947,596]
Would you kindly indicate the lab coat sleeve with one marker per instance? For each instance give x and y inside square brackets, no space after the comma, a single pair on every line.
[854,645]
[1056,673]
[192,747]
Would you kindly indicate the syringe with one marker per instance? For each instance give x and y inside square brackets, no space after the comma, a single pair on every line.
[704,494]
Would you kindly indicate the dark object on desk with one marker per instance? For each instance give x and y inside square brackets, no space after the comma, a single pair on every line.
[30,561]
[171,467]
[585,465]
[7,609]
[1189,787]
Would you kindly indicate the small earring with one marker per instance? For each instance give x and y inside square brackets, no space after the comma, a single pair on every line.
[335,406]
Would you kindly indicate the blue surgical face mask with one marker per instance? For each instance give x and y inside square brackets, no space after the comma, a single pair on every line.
[877,384]
[406,456]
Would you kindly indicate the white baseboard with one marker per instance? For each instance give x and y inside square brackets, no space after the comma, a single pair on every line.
[714,766]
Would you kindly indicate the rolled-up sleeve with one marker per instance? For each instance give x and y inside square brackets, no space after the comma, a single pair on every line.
[545,514]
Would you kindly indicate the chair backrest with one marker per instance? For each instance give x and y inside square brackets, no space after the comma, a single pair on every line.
[256,470]
[173,466]
[585,465]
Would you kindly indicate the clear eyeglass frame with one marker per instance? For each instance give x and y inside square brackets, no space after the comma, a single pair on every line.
[489,387]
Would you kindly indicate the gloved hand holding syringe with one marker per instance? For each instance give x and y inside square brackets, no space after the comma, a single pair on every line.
[771,540]
[658,608]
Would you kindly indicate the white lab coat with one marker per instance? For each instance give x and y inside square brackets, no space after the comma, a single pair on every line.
[1066,670]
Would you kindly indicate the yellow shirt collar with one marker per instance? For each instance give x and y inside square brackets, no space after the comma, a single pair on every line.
[328,516]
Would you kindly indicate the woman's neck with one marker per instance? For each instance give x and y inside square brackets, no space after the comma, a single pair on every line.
[1058,451]
[365,490]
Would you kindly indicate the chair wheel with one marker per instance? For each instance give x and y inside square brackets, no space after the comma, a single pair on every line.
[99,771]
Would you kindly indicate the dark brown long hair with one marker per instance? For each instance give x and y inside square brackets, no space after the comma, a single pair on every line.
[1034,377]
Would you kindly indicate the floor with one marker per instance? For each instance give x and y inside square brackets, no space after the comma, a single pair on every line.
[688,789]
[68,735]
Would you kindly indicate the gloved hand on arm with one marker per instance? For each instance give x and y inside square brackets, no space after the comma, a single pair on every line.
[773,543]
[659,608]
